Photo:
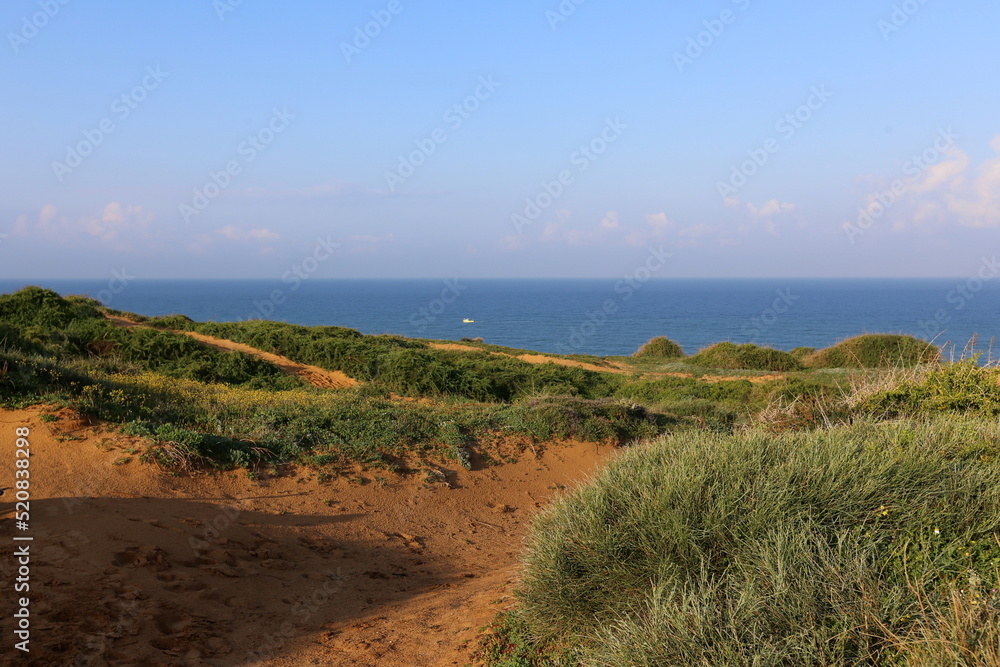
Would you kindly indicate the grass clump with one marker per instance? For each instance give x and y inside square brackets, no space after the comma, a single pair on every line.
[869,544]
[875,351]
[660,347]
[745,357]
[959,387]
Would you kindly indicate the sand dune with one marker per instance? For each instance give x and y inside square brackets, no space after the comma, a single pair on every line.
[133,566]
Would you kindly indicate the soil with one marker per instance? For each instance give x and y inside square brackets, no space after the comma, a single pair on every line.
[131,565]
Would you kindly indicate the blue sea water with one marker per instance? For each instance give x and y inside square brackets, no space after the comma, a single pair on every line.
[601,317]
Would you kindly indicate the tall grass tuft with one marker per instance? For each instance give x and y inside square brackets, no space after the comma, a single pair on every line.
[870,544]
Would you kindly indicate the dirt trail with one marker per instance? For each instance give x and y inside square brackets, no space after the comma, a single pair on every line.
[131,566]
[314,375]
[723,378]
[531,358]
[619,368]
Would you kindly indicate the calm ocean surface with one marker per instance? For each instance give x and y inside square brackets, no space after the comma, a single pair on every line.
[602,317]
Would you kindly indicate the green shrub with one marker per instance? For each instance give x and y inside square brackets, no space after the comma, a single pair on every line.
[961,387]
[39,322]
[176,322]
[871,544]
[660,347]
[875,351]
[745,357]
[801,353]
[34,306]
[679,388]
[410,368]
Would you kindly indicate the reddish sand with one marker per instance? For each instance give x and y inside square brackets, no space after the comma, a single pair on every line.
[133,566]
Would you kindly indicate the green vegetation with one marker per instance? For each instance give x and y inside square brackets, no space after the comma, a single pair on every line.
[870,544]
[40,324]
[745,357]
[961,387]
[411,368]
[875,351]
[829,507]
[801,353]
[204,406]
[660,347]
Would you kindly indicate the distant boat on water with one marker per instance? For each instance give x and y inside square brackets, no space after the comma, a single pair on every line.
[468,321]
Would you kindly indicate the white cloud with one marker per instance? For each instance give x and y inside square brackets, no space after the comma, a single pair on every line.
[771,208]
[47,217]
[766,214]
[658,220]
[116,219]
[610,221]
[969,197]
[952,191]
[236,234]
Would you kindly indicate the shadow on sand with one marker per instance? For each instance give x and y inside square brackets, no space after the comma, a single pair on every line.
[149,581]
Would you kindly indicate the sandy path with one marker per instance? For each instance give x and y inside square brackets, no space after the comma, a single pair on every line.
[314,375]
[531,358]
[755,379]
[131,566]
[620,368]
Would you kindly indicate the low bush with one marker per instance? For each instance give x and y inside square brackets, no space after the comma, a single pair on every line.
[745,357]
[960,387]
[875,351]
[660,347]
[801,353]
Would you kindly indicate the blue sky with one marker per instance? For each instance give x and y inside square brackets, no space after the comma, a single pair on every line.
[668,124]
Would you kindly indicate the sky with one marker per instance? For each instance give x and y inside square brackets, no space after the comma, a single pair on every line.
[411,139]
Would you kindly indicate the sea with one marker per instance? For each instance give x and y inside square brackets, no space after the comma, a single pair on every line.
[592,316]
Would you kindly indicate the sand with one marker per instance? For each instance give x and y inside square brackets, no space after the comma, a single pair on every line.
[133,566]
